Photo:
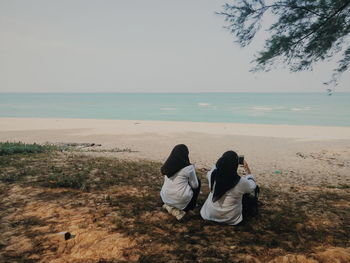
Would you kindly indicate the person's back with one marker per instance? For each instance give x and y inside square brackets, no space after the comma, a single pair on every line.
[228,209]
[181,186]
[176,190]
[224,203]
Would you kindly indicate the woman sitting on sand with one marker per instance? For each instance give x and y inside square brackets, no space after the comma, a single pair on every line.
[224,203]
[181,186]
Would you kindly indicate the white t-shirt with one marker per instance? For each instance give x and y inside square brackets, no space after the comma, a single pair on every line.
[228,209]
[177,190]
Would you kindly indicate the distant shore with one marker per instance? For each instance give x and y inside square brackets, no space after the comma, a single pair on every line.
[300,155]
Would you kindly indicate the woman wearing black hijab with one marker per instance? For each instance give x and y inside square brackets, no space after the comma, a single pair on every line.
[181,185]
[224,203]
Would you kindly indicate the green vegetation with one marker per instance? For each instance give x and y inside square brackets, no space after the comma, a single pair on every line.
[113,150]
[9,148]
[305,31]
[340,186]
[75,181]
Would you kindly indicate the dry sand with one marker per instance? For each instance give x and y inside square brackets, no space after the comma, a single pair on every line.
[277,154]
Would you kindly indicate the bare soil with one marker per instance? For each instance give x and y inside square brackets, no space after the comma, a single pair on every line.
[113,210]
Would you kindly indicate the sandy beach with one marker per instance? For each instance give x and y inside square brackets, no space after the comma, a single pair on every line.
[112,207]
[95,95]
[278,154]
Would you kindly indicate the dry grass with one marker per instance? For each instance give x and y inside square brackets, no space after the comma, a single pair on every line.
[117,202]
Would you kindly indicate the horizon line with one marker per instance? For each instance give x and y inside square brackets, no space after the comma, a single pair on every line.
[159,92]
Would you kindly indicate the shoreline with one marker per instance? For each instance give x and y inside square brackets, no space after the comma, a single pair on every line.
[108,126]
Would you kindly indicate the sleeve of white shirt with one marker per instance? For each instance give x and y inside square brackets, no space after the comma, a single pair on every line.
[251,185]
[192,180]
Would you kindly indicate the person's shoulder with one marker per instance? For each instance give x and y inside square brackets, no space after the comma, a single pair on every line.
[245,179]
[250,177]
[188,169]
[247,183]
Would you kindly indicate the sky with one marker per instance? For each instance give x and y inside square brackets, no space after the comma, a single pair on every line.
[135,46]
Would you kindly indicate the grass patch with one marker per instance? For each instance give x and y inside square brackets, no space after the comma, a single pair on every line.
[9,148]
[29,221]
[75,181]
[340,186]
[113,150]
[12,177]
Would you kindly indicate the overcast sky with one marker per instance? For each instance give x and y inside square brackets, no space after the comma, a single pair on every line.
[133,46]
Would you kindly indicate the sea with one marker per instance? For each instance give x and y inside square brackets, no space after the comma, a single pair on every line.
[318,109]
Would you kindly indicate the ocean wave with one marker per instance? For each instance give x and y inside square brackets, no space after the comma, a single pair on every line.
[301,109]
[203,104]
[168,109]
[262,108]
[256,114]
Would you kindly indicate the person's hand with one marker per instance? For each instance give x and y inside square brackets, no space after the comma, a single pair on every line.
[246,167]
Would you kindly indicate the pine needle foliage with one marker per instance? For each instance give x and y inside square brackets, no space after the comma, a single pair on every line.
[305,31]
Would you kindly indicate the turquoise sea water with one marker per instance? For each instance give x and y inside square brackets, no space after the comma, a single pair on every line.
[267,108]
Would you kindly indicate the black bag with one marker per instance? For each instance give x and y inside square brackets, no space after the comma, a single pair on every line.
[250,204]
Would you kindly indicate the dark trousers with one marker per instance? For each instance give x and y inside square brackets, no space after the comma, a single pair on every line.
[250,205]
[192,204]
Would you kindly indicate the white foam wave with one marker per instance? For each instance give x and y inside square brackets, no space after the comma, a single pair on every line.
[203,104]
[168,109]
[301,109]
[262,108]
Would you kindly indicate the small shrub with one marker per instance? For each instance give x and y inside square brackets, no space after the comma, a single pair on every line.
[76,181]
[9,148]
[10,178]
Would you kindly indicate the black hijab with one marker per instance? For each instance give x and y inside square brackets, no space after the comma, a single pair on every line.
[177,160]
[225,175]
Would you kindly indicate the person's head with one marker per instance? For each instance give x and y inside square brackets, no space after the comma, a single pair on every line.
[180,151]
[177,160]
[225,176]
[228,162]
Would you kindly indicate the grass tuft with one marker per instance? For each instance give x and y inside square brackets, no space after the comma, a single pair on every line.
[9,148]
[75,181]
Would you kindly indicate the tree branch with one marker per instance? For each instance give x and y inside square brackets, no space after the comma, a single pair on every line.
[323,23]
[290,6]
